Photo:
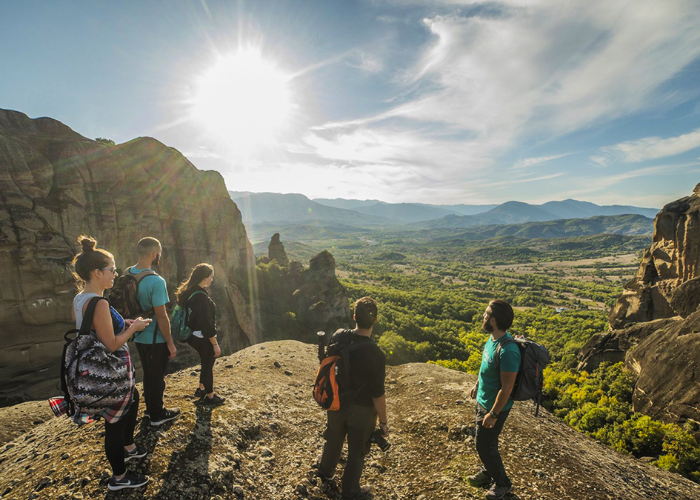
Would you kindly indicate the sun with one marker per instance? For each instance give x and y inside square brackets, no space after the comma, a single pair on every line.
[244,99]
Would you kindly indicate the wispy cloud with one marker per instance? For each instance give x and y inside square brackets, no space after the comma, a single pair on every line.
[649,148]
[201,152]
[529,162]
[536,70]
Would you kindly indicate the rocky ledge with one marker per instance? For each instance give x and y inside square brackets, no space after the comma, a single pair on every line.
[262,442]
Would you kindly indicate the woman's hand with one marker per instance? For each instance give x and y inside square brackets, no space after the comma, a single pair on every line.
[217,350]
[139,323]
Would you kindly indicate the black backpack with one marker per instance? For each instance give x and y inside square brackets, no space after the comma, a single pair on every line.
[533,360]
[124,294]
[333,386]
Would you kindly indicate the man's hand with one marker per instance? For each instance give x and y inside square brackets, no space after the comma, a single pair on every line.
[472,393]
[217,351]
[172,349]
[488,421]
[384,428]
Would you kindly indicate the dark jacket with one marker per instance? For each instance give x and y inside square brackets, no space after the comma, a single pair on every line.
[201,313]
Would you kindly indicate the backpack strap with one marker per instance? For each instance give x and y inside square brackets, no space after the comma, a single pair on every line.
[86,325]
[500,347]
[187,314]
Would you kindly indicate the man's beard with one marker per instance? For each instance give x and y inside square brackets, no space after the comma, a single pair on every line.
[486,326]
[156,261]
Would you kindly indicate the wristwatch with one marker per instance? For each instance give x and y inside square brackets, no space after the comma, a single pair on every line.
[493,414]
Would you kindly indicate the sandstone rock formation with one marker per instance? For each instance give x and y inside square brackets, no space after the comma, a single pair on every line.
[56,184]
[276,251]
[655,325]
[672,259]
[262,442]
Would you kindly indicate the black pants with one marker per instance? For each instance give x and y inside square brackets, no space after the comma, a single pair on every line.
[154,358]
[121,434]
[487,446]
[358,423]
[206,355]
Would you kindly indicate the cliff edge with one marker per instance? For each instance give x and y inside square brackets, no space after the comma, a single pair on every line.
[262,442]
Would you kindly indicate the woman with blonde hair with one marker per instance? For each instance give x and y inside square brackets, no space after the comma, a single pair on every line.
[200,317]
[95,271]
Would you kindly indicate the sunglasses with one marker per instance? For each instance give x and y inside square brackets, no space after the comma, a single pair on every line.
[113,270]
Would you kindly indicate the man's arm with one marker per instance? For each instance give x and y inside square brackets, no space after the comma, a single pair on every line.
[507,383]
[380,406]
[164,327]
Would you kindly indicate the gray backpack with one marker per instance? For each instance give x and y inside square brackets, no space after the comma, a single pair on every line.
[533,360]
[95,379]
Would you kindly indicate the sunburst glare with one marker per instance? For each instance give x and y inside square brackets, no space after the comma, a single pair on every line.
[243,99]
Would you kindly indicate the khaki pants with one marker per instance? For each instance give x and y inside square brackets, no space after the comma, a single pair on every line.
[358,423]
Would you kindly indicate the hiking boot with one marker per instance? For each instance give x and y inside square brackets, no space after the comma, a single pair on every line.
[166,415]
[215,400]
[200,393]
[146,415]
[480,480]
[497,492]
[128,481]
[136,453]
[365,492]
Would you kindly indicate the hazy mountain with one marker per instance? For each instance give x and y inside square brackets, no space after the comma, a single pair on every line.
[466,209]
[404,212]
[347,204]
[574,209]
[296,208]
[629,224]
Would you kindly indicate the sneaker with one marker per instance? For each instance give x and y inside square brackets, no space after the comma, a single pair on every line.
[128,481]
[146,415]
[215,400]
[365,492]
[138,452]
[480,480]
[200,393]
[166,415]
[497,492]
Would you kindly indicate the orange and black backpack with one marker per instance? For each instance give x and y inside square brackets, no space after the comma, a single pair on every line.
[333,377]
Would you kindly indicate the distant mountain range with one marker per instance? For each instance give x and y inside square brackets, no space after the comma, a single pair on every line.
[296,208]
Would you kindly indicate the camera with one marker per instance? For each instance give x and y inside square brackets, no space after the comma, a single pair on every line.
[378,439]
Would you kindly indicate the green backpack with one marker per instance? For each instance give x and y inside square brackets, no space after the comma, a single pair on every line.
[178,329]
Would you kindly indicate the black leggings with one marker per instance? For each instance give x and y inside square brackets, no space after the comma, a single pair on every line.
[206,355]
[121,434]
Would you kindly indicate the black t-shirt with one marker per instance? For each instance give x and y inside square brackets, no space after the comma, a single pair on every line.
[367,367]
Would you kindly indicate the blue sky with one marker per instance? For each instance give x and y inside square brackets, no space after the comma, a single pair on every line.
[433,101]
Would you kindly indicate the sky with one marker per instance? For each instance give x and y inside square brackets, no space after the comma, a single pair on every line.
[434,101]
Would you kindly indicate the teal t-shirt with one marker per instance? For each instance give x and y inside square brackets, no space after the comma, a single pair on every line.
[489,373]
[152,293]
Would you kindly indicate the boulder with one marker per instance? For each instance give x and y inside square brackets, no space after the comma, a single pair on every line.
[55,185]
[686,298]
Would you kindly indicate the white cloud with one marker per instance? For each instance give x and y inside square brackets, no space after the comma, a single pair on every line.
[533,70]
[366,62]
[649,148]
[201,152]
[529,162]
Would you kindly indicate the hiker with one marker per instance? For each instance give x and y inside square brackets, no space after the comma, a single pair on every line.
[357,417]
[154,343]
[200,314]
[493,398]
[95,272]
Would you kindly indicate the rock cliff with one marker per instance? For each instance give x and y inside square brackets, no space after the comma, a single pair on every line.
[56,184]
[263,441]
[276,251]
[655,325]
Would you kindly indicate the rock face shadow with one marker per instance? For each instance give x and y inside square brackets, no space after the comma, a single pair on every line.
[188,470]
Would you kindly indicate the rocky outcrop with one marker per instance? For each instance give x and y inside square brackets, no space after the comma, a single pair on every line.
[276,251]
[655,325]
[262,443]
[321,298]
[672,259]
[55,185]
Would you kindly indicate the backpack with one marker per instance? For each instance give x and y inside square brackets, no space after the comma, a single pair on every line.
[93,379]
[178,321]
[332,382]
[124,294]
[533,360]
